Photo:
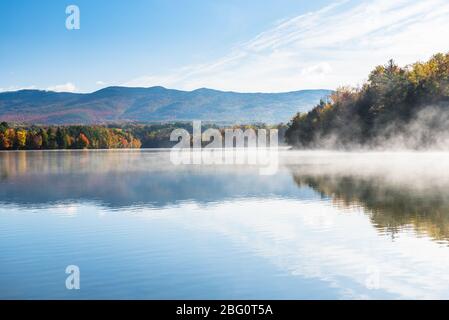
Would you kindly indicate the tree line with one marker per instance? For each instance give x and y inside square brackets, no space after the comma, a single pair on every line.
[66,137]
[387,106]
[112,136]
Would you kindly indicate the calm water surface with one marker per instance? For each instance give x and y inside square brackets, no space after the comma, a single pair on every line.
[326,226]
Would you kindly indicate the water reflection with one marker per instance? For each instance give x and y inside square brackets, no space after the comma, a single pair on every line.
[327,225]
[120,179]
[396,190]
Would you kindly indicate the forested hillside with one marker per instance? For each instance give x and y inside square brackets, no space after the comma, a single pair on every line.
[398,107]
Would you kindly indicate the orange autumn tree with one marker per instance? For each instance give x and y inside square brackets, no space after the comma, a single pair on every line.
[4,142]
[83,141]
[8,138]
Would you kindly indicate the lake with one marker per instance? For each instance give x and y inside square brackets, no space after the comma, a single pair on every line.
[326,225]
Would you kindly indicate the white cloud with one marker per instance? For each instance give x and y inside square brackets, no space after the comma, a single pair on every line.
[337,45]
[100,83]
[67,87]
[322,242]
[321,68]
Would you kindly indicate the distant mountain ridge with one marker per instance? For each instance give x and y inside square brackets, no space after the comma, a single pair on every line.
[154,104]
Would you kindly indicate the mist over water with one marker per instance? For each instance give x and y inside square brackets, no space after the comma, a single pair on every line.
[396,189]
[362,225]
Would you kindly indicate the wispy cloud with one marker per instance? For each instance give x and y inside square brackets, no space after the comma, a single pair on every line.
[337,45]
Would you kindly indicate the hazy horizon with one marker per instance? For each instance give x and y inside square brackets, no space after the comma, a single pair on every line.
[166,88]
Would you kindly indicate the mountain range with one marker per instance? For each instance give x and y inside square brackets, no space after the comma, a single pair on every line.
[154,104]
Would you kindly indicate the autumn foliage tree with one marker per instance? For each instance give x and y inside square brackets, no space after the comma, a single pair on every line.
[384,107]
[83,141]
[65,137]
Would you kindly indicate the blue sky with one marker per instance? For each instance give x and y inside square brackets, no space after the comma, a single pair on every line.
[250,45]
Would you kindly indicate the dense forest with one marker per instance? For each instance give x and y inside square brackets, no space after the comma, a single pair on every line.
[113,136]
[398,107]
[67,137]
